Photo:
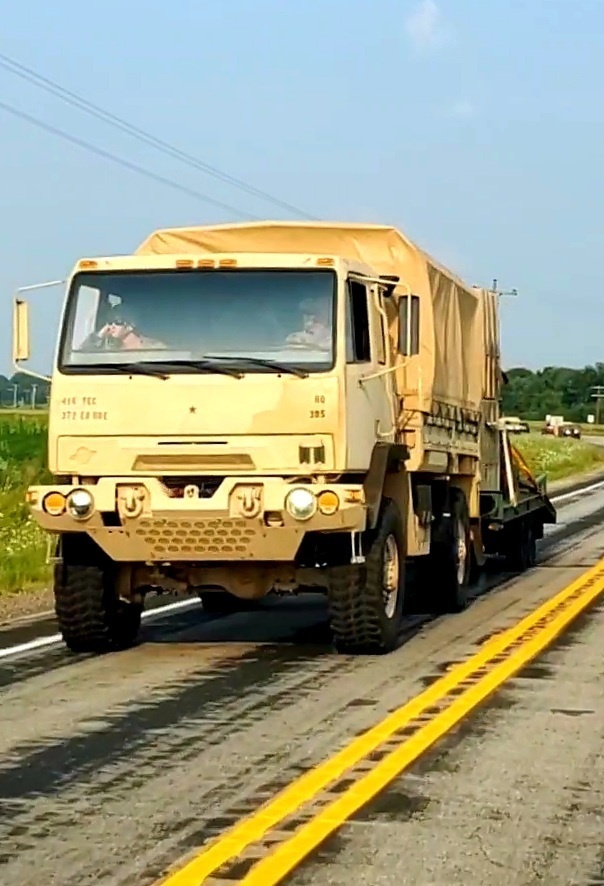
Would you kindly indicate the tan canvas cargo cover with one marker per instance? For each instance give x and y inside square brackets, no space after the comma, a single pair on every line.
[454,328]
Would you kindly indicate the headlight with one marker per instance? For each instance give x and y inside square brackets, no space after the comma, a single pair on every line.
[301,504]
[80,503]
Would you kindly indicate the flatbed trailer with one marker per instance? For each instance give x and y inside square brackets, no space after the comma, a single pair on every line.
[513,520]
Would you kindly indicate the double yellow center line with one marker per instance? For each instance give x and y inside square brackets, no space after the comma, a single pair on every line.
[265,847]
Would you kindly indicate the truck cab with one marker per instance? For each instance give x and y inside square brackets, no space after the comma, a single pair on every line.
[212,425]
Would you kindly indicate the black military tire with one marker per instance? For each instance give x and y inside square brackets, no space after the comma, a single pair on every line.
[362,619]
[449,569]
[521,546]
[91,617]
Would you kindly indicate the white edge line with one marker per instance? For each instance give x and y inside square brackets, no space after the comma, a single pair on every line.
[577,492]
[55,639]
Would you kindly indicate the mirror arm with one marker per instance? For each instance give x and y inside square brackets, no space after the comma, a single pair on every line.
[24,371]
[16,363]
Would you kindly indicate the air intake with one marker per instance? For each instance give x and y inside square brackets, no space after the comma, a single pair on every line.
[311,455]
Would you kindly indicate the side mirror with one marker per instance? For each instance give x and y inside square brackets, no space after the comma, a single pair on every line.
[21,348]
[390,281]
[20,331]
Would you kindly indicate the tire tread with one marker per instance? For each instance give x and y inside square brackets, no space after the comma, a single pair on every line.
[90,618]
[356,603]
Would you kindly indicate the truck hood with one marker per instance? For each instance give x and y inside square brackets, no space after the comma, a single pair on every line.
[113,425]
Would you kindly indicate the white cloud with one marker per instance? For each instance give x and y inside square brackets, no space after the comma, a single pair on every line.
[425,26]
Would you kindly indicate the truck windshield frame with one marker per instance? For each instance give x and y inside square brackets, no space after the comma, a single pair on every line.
[177,316]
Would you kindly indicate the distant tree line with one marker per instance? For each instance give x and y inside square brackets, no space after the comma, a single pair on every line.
[23,390]
[554,390]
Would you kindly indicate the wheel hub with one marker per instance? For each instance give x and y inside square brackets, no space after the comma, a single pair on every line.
[390,576]
[461,549]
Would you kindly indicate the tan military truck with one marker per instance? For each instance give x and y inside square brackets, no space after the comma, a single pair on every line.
[247,408]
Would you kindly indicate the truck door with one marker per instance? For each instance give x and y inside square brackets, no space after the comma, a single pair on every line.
[369,402]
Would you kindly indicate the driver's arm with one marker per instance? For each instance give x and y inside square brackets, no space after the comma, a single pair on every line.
[102,336]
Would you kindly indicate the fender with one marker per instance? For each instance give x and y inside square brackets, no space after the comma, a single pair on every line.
[384,458]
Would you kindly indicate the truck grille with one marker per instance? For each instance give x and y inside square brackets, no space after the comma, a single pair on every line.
[196,537]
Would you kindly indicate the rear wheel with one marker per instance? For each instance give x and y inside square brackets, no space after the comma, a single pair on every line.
[521,546]
[449,567]
[92,618]
[366,600]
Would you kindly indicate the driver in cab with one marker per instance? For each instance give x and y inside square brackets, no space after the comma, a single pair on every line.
[316,328]
[121,333]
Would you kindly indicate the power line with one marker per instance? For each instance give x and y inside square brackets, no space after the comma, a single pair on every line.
[89,107]
[115,158]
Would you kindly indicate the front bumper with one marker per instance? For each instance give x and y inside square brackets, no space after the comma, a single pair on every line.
[138,520]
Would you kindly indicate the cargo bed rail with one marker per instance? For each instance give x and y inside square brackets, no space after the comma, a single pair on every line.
[521,491]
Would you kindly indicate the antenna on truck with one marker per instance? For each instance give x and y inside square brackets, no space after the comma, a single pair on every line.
[512,292]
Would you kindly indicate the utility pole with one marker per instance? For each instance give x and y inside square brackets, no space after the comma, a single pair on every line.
[597,394]
[15,395]
[34,388]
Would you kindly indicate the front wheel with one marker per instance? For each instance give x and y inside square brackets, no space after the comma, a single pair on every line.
[91,616]
[366,600]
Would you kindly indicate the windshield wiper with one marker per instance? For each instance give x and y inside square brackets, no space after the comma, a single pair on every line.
[258,361]
[201,365]
[129,368]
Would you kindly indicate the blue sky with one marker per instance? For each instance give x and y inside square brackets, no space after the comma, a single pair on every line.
[476,127]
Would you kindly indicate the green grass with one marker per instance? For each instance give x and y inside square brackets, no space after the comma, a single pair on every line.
[22,461]
[557,457]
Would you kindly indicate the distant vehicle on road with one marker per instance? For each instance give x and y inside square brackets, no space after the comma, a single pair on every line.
[514,425]
[563,429]
[569,429]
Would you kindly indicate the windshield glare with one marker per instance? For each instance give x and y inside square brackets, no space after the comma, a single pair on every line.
[165,316]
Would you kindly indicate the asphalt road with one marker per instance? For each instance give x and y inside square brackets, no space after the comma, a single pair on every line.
[113,768]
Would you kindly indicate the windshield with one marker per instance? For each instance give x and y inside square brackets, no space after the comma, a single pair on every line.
[177,317]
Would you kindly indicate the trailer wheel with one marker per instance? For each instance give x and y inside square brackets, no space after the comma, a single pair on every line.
[366,601]
[92,618]
[531,545]
[521,547]
[450,560]
[221,602]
